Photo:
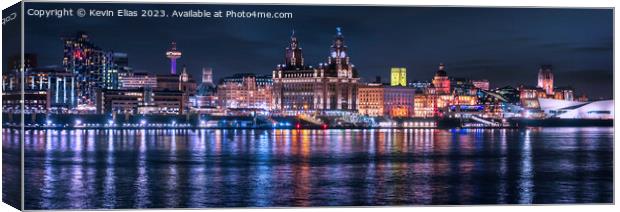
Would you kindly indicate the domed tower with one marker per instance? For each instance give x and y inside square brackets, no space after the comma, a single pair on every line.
[294,55]
[338,63]
[441,81]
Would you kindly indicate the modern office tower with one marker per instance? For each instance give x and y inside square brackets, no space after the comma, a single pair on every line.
[398,76]
[441,82]
[173,54]
[245,93]
[382,100]
[329,89]
[90,64]
[545,78]
[481,84]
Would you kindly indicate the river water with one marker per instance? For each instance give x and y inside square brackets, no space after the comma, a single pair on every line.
[272,168]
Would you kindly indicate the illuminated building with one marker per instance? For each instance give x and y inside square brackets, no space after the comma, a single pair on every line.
[380,100]
[173,54]
[545,79]
[188,86]
[398,76]
[141,101]
[531,92]
[328,89]
[58,84]
[582,98]
[481,84]
[564,109]
[564,93]
[419,85]
[46,90]
[462,86]
[245,92]
[206,96]
[138,80]
[441,81]
[425,105]
[93,67]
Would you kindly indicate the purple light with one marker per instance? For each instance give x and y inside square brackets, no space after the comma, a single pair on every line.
[173,65]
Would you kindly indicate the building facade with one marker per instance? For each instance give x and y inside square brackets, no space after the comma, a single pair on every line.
[398,76]
[381,100]
[441,82]
[329,88]
[245,92]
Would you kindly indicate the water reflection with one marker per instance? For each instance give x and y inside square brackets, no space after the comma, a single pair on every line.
[235,168]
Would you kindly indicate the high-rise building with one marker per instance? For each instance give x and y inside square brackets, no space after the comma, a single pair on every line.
[398,76]
[330,88]
[173,54]
[441,82]
[545,78]
[90,64]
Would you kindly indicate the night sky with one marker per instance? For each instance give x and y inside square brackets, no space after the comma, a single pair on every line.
[503,45]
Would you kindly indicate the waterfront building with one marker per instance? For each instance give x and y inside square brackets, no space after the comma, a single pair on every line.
[58,84]
[565,109]
[419,85]
[462,86]
[441,82]
[187,85]
[583,98]
[381,100]
[425,105]
[206,97]
[92,66]
[329,89]
[168,82]
[527,92]
[140,101]
[563,93]
[545,79]
[398,76]
[245,92]
[132,80]
[48,89]
[481,84]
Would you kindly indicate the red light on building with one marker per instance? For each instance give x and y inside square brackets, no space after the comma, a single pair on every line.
[324,126]
[298,126]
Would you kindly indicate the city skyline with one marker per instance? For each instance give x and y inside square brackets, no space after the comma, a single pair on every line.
[475,45]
